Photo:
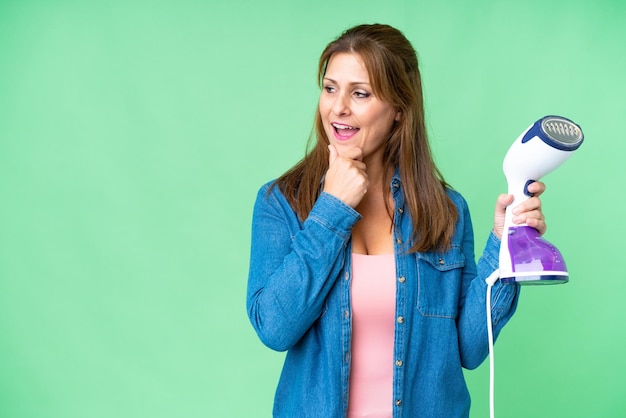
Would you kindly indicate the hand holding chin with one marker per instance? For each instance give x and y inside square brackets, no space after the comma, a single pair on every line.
[346,178]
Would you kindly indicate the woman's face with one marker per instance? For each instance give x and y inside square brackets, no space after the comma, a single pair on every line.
[351,114]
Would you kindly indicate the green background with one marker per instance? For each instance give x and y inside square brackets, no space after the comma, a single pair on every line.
[135,134]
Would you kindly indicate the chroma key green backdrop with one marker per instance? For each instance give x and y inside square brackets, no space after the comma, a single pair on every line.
[134,135]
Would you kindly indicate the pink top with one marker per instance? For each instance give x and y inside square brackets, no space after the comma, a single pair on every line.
[373,321]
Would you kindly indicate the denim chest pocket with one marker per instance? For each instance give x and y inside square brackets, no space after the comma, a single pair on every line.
[439,277]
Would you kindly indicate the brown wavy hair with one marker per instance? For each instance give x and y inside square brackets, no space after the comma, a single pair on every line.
[392,66]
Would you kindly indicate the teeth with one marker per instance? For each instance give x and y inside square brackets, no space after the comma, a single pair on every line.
[337,126]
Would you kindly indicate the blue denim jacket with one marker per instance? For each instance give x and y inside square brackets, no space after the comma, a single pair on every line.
[299,300]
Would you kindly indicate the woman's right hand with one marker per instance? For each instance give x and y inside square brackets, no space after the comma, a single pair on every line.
[346,178]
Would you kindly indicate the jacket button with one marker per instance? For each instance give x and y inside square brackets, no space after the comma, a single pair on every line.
[441,261]
[398,240]
[400,320]
[399,363]
[347,275]
[400,210]
[398,402]
[401,279]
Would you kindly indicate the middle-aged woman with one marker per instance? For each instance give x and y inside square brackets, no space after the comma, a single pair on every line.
[362,262]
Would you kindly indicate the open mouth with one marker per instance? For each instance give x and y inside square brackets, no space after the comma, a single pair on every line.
[344,131]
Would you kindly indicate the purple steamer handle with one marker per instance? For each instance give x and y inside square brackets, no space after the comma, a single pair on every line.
[531,253]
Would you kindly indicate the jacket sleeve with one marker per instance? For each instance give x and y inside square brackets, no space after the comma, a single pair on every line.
[293,265]
[472,319]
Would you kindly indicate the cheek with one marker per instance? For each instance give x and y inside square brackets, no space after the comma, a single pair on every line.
[323,107]
[379,124]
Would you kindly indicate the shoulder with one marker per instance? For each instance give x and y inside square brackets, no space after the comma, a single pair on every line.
[269,192]
[272,205]
[265,188]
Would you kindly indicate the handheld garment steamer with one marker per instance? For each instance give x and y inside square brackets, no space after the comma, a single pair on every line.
[525,257]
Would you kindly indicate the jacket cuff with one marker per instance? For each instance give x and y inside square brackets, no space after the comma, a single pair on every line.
[334,214]
[491,254]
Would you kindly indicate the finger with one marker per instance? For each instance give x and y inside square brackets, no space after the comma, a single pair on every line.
[352,153]
[503,201]
[525,217]
[332,156]
[527,205]
[538,224]
[360,165]
[537,188]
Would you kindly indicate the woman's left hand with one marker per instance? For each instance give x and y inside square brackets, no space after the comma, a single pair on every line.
[528,212]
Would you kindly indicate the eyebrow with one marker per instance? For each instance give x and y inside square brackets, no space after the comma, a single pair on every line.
[352,83]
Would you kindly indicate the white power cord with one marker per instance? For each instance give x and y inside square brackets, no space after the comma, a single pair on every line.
[491,280]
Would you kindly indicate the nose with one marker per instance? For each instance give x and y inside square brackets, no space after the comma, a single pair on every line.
[341,105]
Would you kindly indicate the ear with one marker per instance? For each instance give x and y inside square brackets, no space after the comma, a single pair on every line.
[398,116]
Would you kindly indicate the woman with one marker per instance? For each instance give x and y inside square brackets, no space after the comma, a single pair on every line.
[362,263]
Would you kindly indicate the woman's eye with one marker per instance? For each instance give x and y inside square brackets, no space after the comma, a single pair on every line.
[361,94]
[329,89]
